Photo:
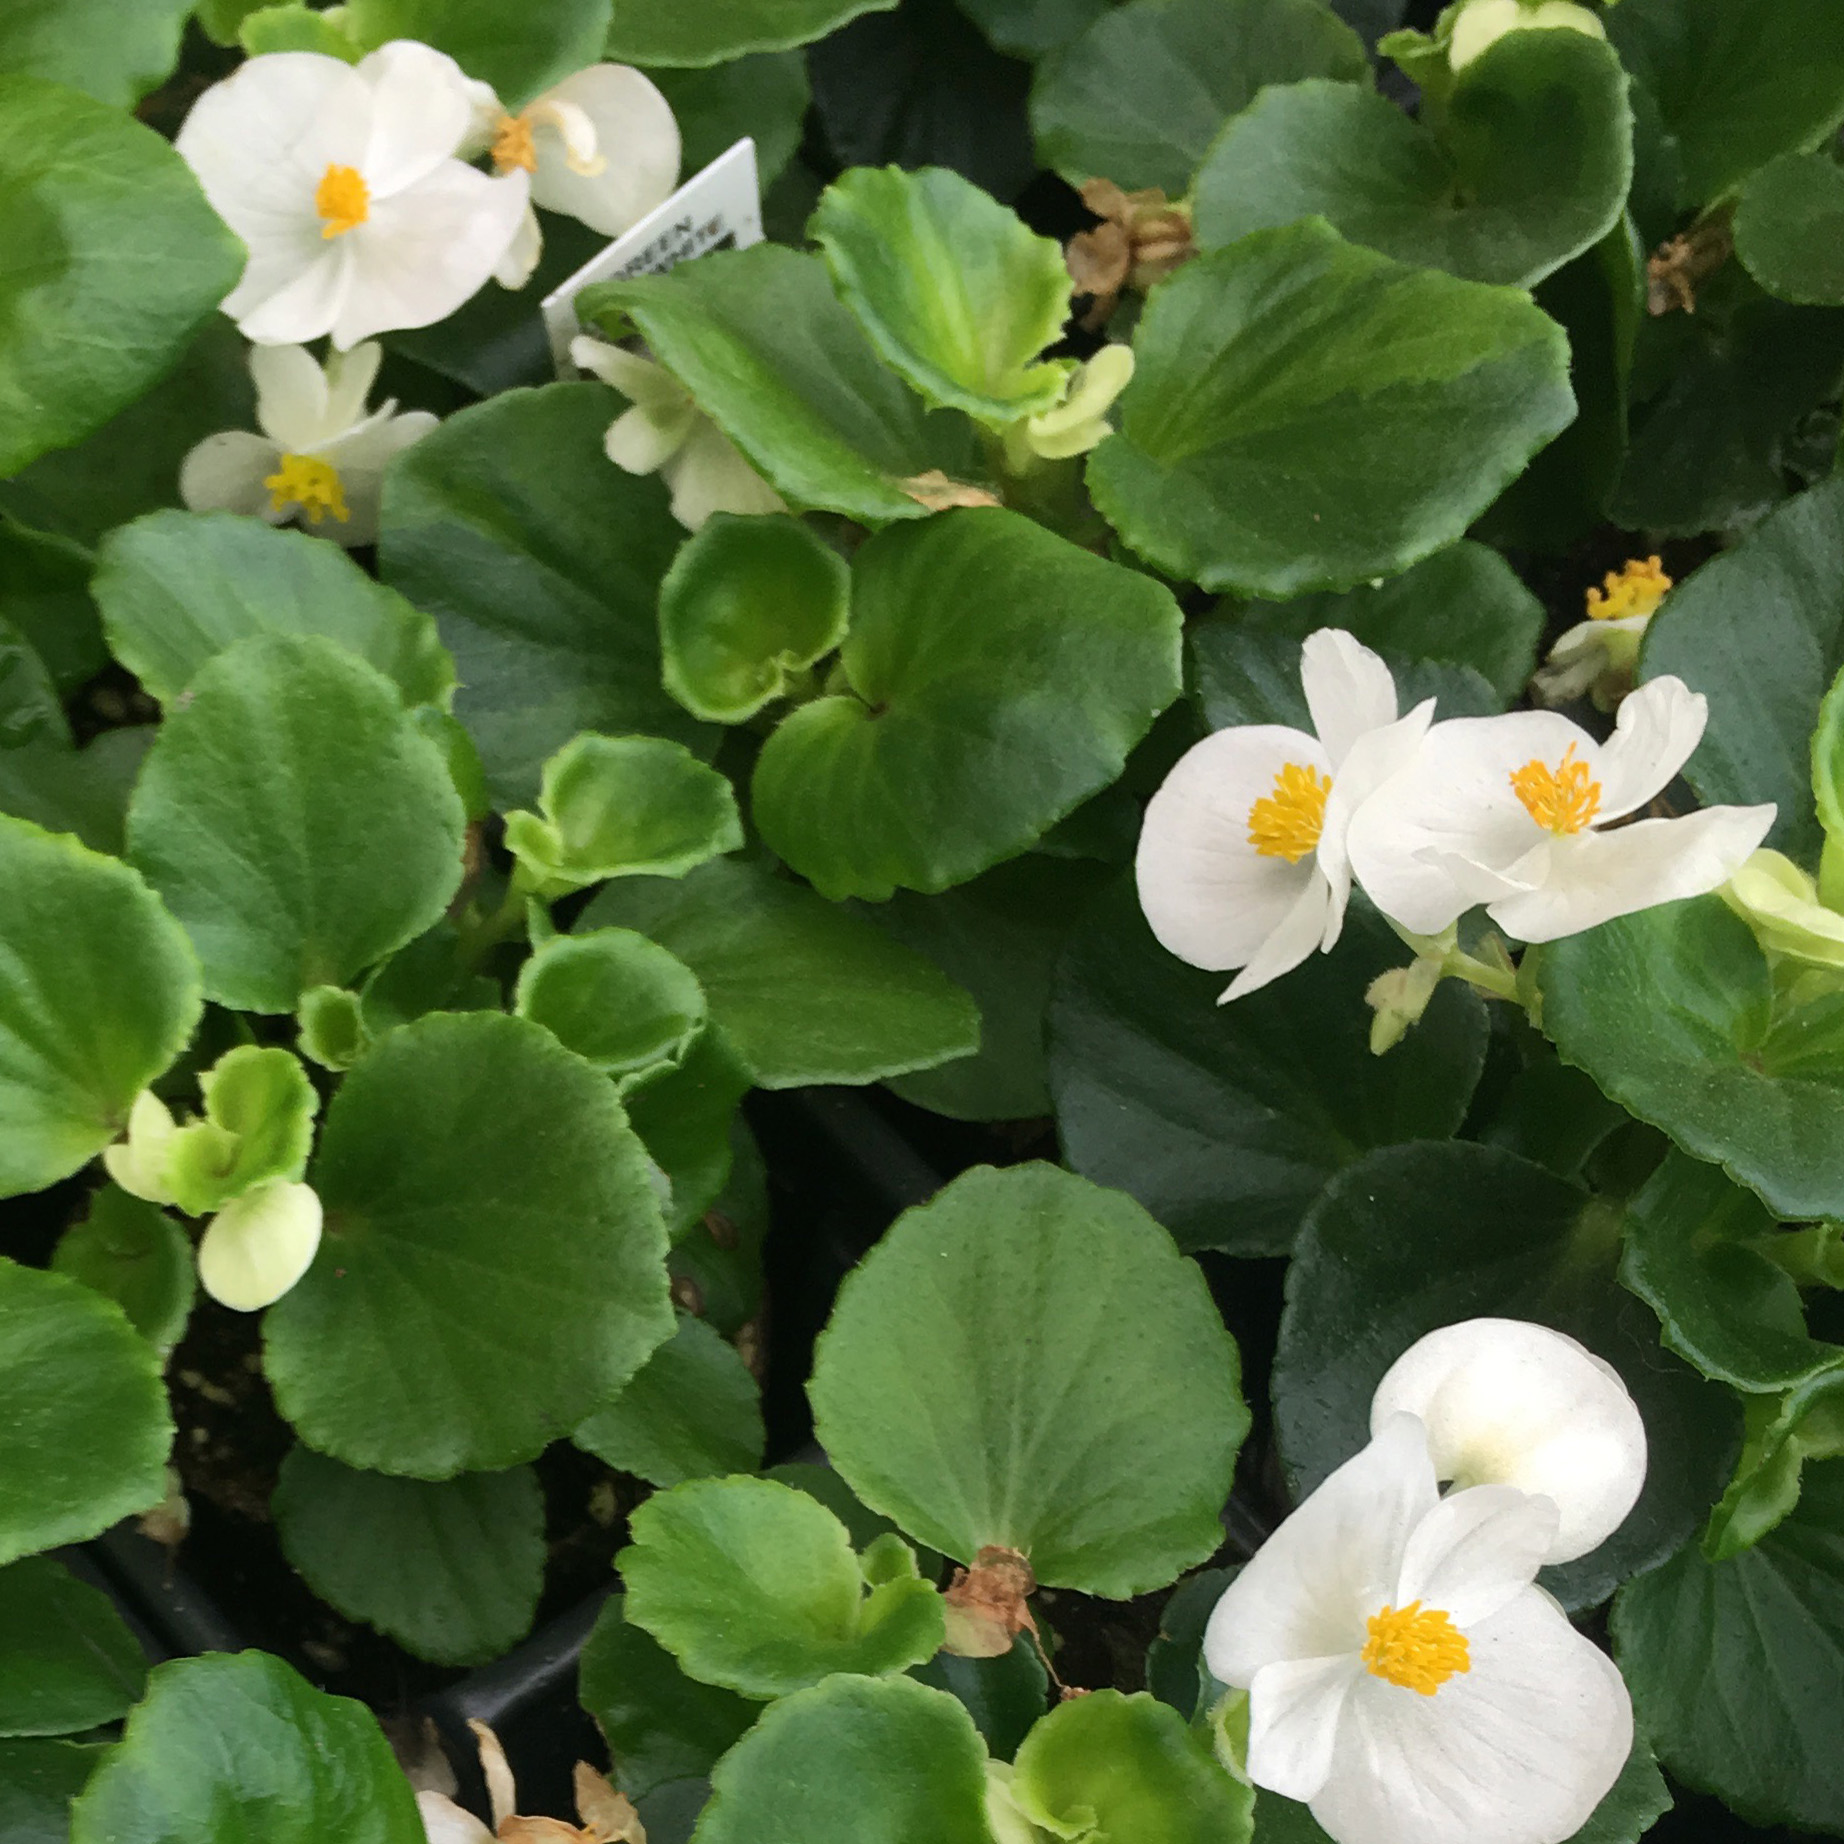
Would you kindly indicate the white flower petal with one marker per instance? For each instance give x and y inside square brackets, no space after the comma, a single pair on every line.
[1372,760]
[636,138]
[421,109]
[225,473]
[444,1822]
[1510,1403]
[1475,1550]
[1303,928]
[640,380]
[361,459]
[259,1245]
[349,378]
[1211,898]
[1311,1588]
[1657,728]
[641,440]
[291,396]
[1348,690]
[708,474]
[1294,1707]
[514,269]
[1518,1749]
[306,306]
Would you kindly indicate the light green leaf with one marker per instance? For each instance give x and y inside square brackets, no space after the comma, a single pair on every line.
[1139,97]
[541,562]
[1789,229]
[258,1124]
[237,1749]
[85,1437]
[764,96]
[618,1000]
[178,588]
[956,294]
[1416,1237]
[38,1780]
[519,50]
[113,50]
[112,261]
[692,1411]
[451,1570]
[805,992]
[99,992]
[715,31]
[66,1660]
[133,1253]
[996,676]
[492,1266]
[748,604]
[295,820]
[332,1026]
[1084,1405]
[1247,456]
[296,26]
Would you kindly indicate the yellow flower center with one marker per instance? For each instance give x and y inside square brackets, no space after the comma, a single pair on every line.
[1635,589]
[1563,799]
[513,145]
[1287,823]
[311,484]
[1417,1648]
[343,200]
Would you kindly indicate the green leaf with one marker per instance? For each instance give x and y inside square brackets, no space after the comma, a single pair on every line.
[1530,166]
[38,1780]
[99,992]
[1789,229]
[747,606]
[541,562]
[295,821]
[764,96]
[520,51]
[1736,1667]
[715,31]
[997,676]
[805,992]
[85,1437]
[178,588]
[1783,1433]
[1249,454]
[233,1748]
[1128,1767]
[1175,1668]
[686,1117]
[450,1570]
[79,791]
[1084,1404]
[258,1124]
[30,713]
[133,1253]
[296,26]
[958,297]
[620,1001]
[1227,1122]
[853,1761]
[111,50]
[113,261]
[1734,88]
[66,1660]
[1417,1237]
[692,1411]
[1029,28]
[1003,1695]
[761,341]
[492,1264]
[753,1586]
[1139,97]
[45,595]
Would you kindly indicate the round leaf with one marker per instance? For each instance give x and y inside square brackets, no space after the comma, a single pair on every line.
[1084,1402]
[620,1001]
[66,1660]
[114,50]
[493,1260]
[519,52]
[136,1255]
[715,31]
[1789,229]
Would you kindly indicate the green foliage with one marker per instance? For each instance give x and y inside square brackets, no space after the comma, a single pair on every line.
[38,1780]
[717,30]
[764,96]
[519,53]
[111,51]
[136,1255]
[67,1663]
[1789,229]
[617,999]
[258,1124]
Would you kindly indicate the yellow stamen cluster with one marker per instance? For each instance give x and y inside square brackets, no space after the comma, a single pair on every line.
[1563,799]
[343,200]
[1287,823]
[1415,1647]
[1635,589]
[513,145]
[311,484]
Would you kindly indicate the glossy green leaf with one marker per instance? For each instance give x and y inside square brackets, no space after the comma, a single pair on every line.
[1227,1122]
[67,1662]
[805,992]
[1807,1423]
[38,1780]
[112,262]
[692,1411]
[957,295]
[1140,95]
[1307,414]
[1789,229]
[492,1263]
[1421,1236]
[236,1748]
[519,51]
[761,341]
[85,1437]
[764,96]
[133,1253]
[753,1586]
[178,588]
[99,992]
[996,676]
[541,562]
[1003,1695]
[1085,1404]
[618,1000]
[450,1570]
[715,31]
[295,821]
[45,595]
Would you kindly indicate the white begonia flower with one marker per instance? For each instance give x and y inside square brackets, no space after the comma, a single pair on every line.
[1601,654]
[602,147]
[321,455]
[1506,1402]
[138,1163]
[1242,860]
[665,433]
[1781,904]
[1406,1679]
[1482,23]
[260,1244]
[1516,812]
[342,182]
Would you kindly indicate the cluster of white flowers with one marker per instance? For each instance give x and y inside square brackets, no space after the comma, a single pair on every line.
[1406,1676]
[1249,850]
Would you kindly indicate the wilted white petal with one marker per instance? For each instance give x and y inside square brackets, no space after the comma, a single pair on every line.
[1294,1707]
[444,1822]
[1475,1550]
[226,473]
[636,139]
[1348,689]
[259,1245]
[1655,732]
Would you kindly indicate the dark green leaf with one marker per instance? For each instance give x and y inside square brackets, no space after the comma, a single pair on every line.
[1789,229]
[520,50]
[764,97]
[81,791]
[45,594]
[715,31]
[66,1660]
[136,1255]
[1003,1695]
